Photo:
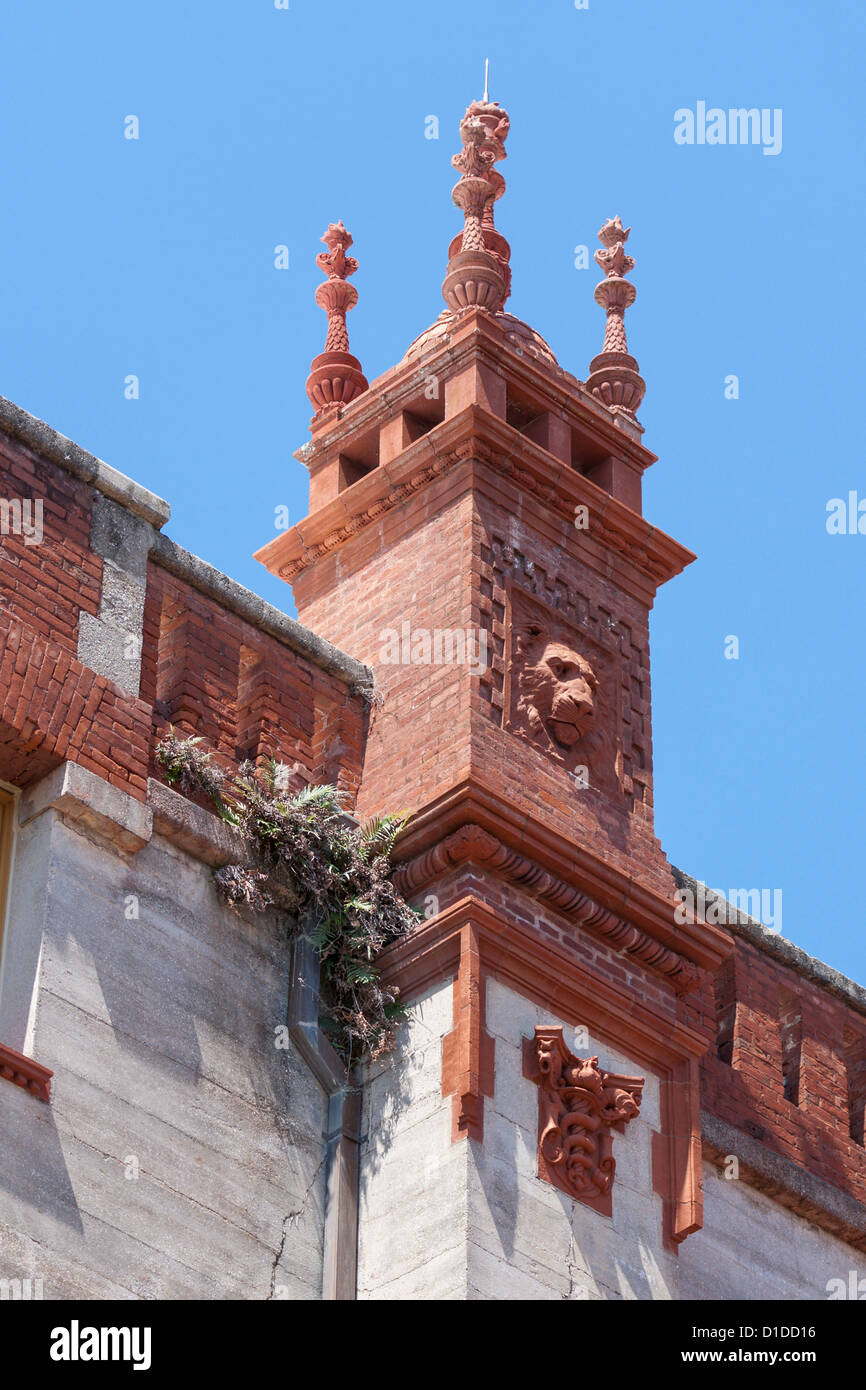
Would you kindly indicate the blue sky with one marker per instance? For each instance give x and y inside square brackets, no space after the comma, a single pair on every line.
[258,126]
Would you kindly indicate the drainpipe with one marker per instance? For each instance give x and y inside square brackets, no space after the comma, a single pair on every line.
[343,1127]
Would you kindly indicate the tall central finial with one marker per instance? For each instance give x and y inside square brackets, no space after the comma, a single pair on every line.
[478,274]
[486,98]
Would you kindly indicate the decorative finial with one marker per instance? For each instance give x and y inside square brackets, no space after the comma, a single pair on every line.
[614,377]
[335,375]
[486,78]
[478,274]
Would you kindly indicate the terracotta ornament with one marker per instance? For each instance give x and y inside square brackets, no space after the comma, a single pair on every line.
[560,694]
[579,1107]
[25,1072]
[557,689]
[614,377]
[335,376]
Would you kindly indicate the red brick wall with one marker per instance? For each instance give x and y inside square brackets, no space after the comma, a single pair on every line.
[207,671]
[547,570]
[203,668]
[47,585]
[413,566]
[51,707]
[777,1026]
[55,710]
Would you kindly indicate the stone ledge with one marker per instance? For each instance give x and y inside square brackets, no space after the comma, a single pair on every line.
[50,444]
[87,800]
[201,833]
[229,594]
[810,1196]
[778,946]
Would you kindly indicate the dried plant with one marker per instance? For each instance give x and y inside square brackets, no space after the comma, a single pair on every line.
[304,855]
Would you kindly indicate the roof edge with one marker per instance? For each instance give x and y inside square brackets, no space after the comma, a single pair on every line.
[263,615]
[776,945]
[51,444]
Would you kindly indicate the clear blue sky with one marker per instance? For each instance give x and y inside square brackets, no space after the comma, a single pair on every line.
[258,126]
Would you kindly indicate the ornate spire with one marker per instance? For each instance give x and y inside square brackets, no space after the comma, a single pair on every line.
[478,275]
[614,377]
[335,375]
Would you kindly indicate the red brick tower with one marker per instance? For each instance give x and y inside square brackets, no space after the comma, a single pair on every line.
[476,536]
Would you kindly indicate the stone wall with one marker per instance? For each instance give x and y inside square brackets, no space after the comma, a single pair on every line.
[751,1247]
[182,1153]
[454,1219]
[530,1240]
[412,1240]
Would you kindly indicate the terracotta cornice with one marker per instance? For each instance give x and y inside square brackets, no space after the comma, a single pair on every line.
[476,434]
[472,843]
[25,1072]
[360,505]
[554,867]
[542,970]
[469,943]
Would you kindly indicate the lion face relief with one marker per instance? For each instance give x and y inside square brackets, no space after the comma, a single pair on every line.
[553,701]
[563,692]
[562,685]
[557,688]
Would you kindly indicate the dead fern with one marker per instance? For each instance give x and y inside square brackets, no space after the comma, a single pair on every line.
[305,857]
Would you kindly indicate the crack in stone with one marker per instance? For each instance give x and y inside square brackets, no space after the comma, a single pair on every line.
[290,1220]
[577,1288]
[570,1267]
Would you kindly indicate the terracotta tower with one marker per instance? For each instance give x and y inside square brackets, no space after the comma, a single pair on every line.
[476,536]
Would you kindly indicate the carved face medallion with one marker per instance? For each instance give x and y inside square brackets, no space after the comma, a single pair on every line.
[556,689]
[560,685]
[562,692]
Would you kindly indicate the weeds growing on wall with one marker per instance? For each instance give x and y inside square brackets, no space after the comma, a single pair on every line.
[303,856]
